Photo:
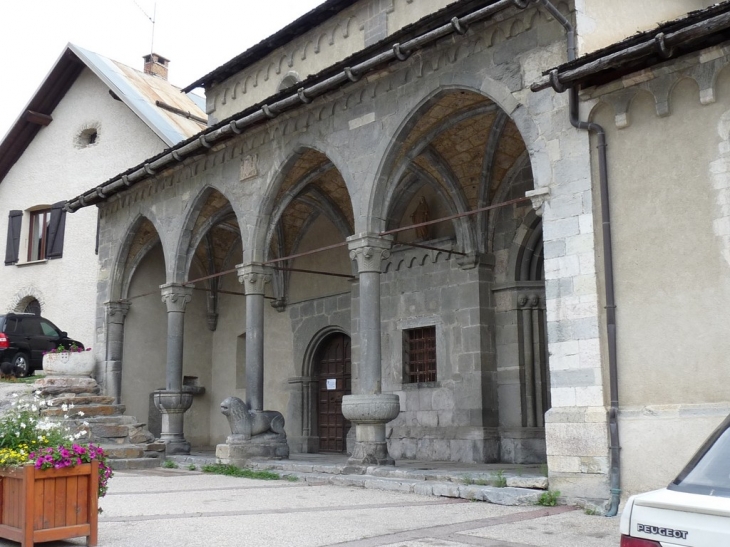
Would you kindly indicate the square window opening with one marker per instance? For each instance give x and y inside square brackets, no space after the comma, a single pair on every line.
[419,355]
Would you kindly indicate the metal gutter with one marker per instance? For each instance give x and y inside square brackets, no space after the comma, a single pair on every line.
[265,111]
[615,448]
[648,48]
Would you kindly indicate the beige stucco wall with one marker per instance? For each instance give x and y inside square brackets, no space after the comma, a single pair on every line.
[53,169]
[601,23]
[672,272]
[334,40]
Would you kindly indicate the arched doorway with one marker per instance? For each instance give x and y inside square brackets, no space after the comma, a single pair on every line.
[333,375]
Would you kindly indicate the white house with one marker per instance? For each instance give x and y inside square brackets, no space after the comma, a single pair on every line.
[91,118]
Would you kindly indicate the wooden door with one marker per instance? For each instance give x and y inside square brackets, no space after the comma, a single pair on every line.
[334,373]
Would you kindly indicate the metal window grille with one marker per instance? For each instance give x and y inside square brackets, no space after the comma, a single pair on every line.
[420,355]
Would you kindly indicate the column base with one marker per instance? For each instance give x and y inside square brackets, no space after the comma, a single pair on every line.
[369,453]
[176,447]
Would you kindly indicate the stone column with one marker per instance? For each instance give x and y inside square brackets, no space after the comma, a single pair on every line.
[116,312]
[368,408]
[254,278]
[172,402]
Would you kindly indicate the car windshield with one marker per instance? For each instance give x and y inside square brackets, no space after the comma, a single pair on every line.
[708,472]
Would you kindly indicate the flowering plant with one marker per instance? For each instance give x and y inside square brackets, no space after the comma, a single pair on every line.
[26,436]
[73,348]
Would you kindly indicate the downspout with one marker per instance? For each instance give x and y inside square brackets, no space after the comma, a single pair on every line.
[615,465]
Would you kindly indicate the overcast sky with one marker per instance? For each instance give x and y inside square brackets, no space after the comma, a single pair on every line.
[197,36]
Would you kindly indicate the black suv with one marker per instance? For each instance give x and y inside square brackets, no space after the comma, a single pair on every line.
[24,338]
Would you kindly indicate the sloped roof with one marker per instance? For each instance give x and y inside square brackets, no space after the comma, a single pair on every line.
[139,91]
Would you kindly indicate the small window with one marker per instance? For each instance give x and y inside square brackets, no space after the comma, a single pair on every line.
[33,307]
[419,358]
[87,137]
[38,234]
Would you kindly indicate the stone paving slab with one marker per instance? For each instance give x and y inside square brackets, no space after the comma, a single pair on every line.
[172,508]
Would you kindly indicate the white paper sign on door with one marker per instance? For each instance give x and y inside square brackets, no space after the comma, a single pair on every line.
[331,384]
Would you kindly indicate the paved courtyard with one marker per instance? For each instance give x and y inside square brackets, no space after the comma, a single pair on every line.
[176,507]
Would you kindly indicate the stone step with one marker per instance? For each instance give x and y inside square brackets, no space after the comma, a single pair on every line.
[88,411]
[55,385]
[122,464]
[490,494]
[123,451]
[82,400]
[119,420]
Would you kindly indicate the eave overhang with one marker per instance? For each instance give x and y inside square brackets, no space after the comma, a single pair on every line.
[454,19]
[37,113]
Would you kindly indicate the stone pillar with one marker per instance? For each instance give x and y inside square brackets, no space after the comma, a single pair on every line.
[172,402]
[254,278]
[368,408]
[116,312]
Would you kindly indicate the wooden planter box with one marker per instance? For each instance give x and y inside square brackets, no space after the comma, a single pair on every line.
[49,505]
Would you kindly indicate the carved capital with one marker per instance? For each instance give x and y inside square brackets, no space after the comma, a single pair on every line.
[538,198]
[254,277]
[117,311]
[176,296]
[369,250]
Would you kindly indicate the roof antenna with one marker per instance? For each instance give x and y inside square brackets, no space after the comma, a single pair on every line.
[152,19]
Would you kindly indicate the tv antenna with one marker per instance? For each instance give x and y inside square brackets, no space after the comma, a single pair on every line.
[152,20]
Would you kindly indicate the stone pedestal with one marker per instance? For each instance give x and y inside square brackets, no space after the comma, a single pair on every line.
[173,405]
[238,452]
[370,413]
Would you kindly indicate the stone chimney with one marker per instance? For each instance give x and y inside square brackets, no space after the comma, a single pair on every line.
[156,65]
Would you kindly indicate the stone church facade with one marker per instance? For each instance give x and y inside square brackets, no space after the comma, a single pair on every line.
[355,248]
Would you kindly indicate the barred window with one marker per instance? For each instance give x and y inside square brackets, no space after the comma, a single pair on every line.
[419,355]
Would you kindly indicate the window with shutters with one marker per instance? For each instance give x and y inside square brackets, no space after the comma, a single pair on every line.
[44,237]
[38,234]
[419,355]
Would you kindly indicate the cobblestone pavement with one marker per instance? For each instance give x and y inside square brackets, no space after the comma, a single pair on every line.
[176,507]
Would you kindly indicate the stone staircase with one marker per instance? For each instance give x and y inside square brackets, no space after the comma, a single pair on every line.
[127,443]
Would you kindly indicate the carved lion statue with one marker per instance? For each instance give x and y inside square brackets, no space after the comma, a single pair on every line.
[246,423]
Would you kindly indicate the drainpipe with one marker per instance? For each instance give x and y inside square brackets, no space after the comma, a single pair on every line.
[615,467]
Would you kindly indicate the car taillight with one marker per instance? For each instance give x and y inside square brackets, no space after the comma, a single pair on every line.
[4,342]
[628,541]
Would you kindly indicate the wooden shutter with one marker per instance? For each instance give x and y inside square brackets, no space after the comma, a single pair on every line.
[12,249]
[56,229]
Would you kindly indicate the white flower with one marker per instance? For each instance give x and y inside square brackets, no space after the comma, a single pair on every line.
[49,402]
[85,423]
[34,408]
[80,413]
[71,405]
[42,404]
[64,407]
[22,425]
[15,394]
[37,392]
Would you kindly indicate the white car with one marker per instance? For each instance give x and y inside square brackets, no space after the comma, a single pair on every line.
[694,510]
